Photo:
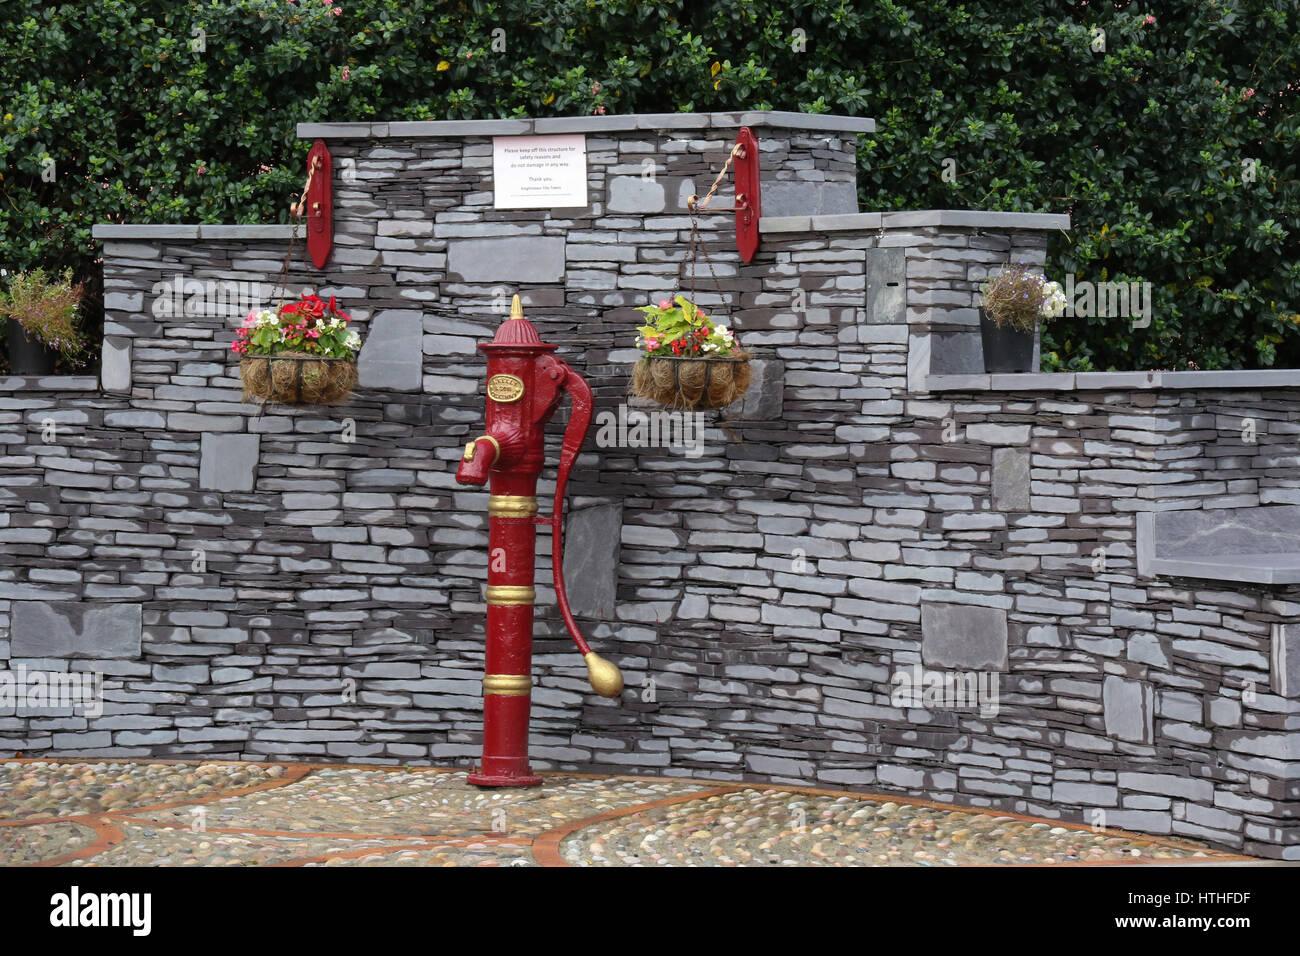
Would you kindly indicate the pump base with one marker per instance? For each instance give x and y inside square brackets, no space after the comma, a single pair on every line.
[504,780]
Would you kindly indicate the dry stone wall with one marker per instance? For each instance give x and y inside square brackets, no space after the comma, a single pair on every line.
[307,583]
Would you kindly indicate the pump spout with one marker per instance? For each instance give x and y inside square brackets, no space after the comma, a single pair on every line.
[477,461]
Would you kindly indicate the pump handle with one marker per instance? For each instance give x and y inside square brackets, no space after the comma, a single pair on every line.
[605,676]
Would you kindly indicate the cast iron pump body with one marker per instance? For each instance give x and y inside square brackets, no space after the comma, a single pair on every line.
[525,386]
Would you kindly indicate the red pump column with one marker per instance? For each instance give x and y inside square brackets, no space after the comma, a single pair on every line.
[525,386]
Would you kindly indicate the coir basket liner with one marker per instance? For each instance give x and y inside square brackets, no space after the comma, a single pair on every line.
[692,383]
[295,378]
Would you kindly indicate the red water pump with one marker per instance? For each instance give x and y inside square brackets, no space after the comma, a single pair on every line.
[525,386]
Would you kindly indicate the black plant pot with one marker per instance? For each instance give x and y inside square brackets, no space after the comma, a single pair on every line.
[27,356]
[1006,349]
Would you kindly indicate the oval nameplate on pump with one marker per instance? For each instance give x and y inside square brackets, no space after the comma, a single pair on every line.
[505,388]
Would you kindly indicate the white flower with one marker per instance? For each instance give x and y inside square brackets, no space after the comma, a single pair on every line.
[353,341]
[1053,300]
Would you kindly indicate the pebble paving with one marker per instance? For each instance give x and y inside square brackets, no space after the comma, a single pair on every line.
[124,813]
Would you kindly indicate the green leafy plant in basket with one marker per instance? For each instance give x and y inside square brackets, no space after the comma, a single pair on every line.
[689,361]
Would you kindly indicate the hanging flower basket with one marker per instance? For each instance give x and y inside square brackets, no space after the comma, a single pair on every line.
[294,378]
[690,362]
[692,383]
[302,353]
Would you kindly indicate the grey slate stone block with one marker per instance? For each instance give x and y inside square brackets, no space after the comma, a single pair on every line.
[794,198]
[135,420]
[635,194]
[1011,479]
[115,368]
[228,462]
[75,629]
[506,259]
[957,353]
[996,434]
[1128,707]
[765,398]
[591,549]
[123,301]
[886,271]
[392,356]
[1258,545]
[963,636]
[1284,660]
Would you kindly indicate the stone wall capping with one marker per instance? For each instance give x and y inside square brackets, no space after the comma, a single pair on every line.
[585,124]
[1263,568]
[274,231]
[975,218]
[668,121]
[774,224]
[1107,381]
[917,218]
[104,230]
[1232,378]
[49,383]
[1025,381]
[1101,380]
[787,119]
[774,119]
[858,220]
[336,130]
[195,231]
[415,129]
[959,383]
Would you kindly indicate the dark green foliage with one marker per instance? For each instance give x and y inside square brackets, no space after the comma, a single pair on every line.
[1143,144]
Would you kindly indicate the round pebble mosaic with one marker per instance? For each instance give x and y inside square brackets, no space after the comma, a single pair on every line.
[124,813]
[776,828]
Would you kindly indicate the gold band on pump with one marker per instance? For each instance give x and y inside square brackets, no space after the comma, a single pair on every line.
[512,506]
[507,685]
[508,594]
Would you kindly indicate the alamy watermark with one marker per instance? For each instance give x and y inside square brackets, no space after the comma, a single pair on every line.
[925,689]
[633,428]
[52,690]
[1129,300]
[220,297]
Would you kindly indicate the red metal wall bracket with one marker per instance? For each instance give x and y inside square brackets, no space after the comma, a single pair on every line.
[749,204]
[320,204]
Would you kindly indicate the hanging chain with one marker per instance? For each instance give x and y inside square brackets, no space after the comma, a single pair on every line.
[297,210]
[284,269]
[695,205]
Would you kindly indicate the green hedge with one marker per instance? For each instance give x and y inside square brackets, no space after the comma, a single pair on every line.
[1143,144]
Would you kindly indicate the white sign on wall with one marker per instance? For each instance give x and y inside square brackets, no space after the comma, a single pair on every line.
[537,172]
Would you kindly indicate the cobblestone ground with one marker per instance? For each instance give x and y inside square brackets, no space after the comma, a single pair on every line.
[125,813]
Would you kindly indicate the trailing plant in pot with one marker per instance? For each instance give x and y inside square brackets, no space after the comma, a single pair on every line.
[301,353]
[41,313]
[689,361]
[1012,304]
